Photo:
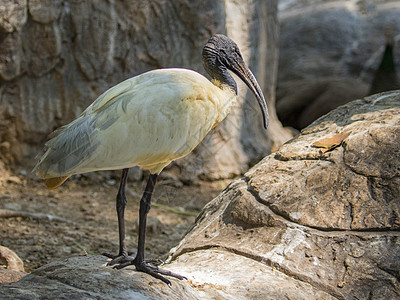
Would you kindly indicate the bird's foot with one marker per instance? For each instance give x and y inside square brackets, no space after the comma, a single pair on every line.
[121,258]
[147,267]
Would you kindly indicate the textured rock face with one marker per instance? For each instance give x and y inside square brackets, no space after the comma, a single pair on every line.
[56,57]
[302,224]
[328,219]
[330,50]
[355,187]
[87,277]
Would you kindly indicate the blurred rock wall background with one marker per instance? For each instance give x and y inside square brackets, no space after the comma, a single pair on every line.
[330,53]
[57,56]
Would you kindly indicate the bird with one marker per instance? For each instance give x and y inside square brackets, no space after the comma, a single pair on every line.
[148,121]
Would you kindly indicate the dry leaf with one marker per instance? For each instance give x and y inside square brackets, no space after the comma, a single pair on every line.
[332,142]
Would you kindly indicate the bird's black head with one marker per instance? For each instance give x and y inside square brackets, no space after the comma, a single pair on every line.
[221,54]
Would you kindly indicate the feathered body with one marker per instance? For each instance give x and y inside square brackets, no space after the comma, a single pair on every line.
[146,121]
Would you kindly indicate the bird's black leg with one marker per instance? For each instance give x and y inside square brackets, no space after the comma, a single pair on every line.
[122,256]
[139,261]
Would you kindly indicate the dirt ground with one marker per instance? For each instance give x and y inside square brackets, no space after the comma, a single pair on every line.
[86,219]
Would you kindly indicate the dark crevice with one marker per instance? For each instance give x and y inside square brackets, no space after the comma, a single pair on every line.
[278,157]
[351,206]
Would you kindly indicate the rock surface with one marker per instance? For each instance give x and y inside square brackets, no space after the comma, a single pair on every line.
[331,41]
[331,220]
[56,57]
[14,266]
[301,224]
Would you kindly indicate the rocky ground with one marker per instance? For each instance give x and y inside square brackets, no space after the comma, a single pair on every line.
[82,216]
[317,219]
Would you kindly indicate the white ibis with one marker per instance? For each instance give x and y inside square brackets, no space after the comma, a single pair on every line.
[148,121]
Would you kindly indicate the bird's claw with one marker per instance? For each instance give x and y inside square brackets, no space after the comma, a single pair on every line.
[148,268]
[118,259]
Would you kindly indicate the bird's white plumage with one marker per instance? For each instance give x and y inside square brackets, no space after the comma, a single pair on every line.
[147,121]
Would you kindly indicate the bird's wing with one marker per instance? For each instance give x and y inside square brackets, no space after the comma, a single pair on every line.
[113,94]
[107,98]
[148,121]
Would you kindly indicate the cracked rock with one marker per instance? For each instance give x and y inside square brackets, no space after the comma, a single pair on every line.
[330,220]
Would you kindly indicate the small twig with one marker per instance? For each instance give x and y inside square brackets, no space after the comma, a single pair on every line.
[84,249]
[176,210]
[6,213]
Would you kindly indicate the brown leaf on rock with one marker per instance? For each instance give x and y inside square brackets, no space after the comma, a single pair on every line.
[332,142]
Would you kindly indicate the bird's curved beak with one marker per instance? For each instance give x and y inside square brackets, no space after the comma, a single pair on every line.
[245,74]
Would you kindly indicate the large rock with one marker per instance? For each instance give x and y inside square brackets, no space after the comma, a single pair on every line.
[329,219]
[304,223]
[56,57]
[331,50]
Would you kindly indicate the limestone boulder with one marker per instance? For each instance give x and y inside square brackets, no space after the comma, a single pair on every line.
[327,219]
[318,219]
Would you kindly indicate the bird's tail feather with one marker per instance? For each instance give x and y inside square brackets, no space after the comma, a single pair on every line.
[55,182]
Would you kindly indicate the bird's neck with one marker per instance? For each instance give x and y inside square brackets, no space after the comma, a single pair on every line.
[223,79]
[226,97]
